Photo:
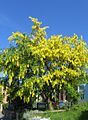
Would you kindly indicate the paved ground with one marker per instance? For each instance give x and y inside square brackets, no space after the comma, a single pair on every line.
[1,116]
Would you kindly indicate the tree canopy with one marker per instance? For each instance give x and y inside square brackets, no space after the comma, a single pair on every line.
[35,64]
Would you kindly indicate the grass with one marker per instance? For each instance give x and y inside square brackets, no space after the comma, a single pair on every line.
[67,115]
[77,112]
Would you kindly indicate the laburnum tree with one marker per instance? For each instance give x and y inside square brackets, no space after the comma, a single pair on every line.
[37,65]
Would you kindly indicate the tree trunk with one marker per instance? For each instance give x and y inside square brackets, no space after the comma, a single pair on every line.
[50,106]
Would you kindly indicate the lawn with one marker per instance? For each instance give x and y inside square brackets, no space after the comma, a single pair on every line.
[77,112]
[68,115]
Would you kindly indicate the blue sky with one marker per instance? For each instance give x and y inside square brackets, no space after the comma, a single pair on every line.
[64,17]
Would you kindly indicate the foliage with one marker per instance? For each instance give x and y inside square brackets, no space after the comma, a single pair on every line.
[36,65]
[81,106]
[1,94]
[1,98]
[72,93]
[5,106]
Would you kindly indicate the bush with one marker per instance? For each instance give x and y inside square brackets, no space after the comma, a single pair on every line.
[1,98]
[5,106]
[81,106]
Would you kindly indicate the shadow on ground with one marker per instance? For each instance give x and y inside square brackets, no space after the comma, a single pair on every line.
[84,115]
[3,118]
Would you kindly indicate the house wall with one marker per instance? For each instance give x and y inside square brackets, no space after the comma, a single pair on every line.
[83,90]
[86,92]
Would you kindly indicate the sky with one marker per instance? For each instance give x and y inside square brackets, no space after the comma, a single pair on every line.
[64,17]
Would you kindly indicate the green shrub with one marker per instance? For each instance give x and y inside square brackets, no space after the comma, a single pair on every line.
[5,106]
[81,106]
[1,97]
